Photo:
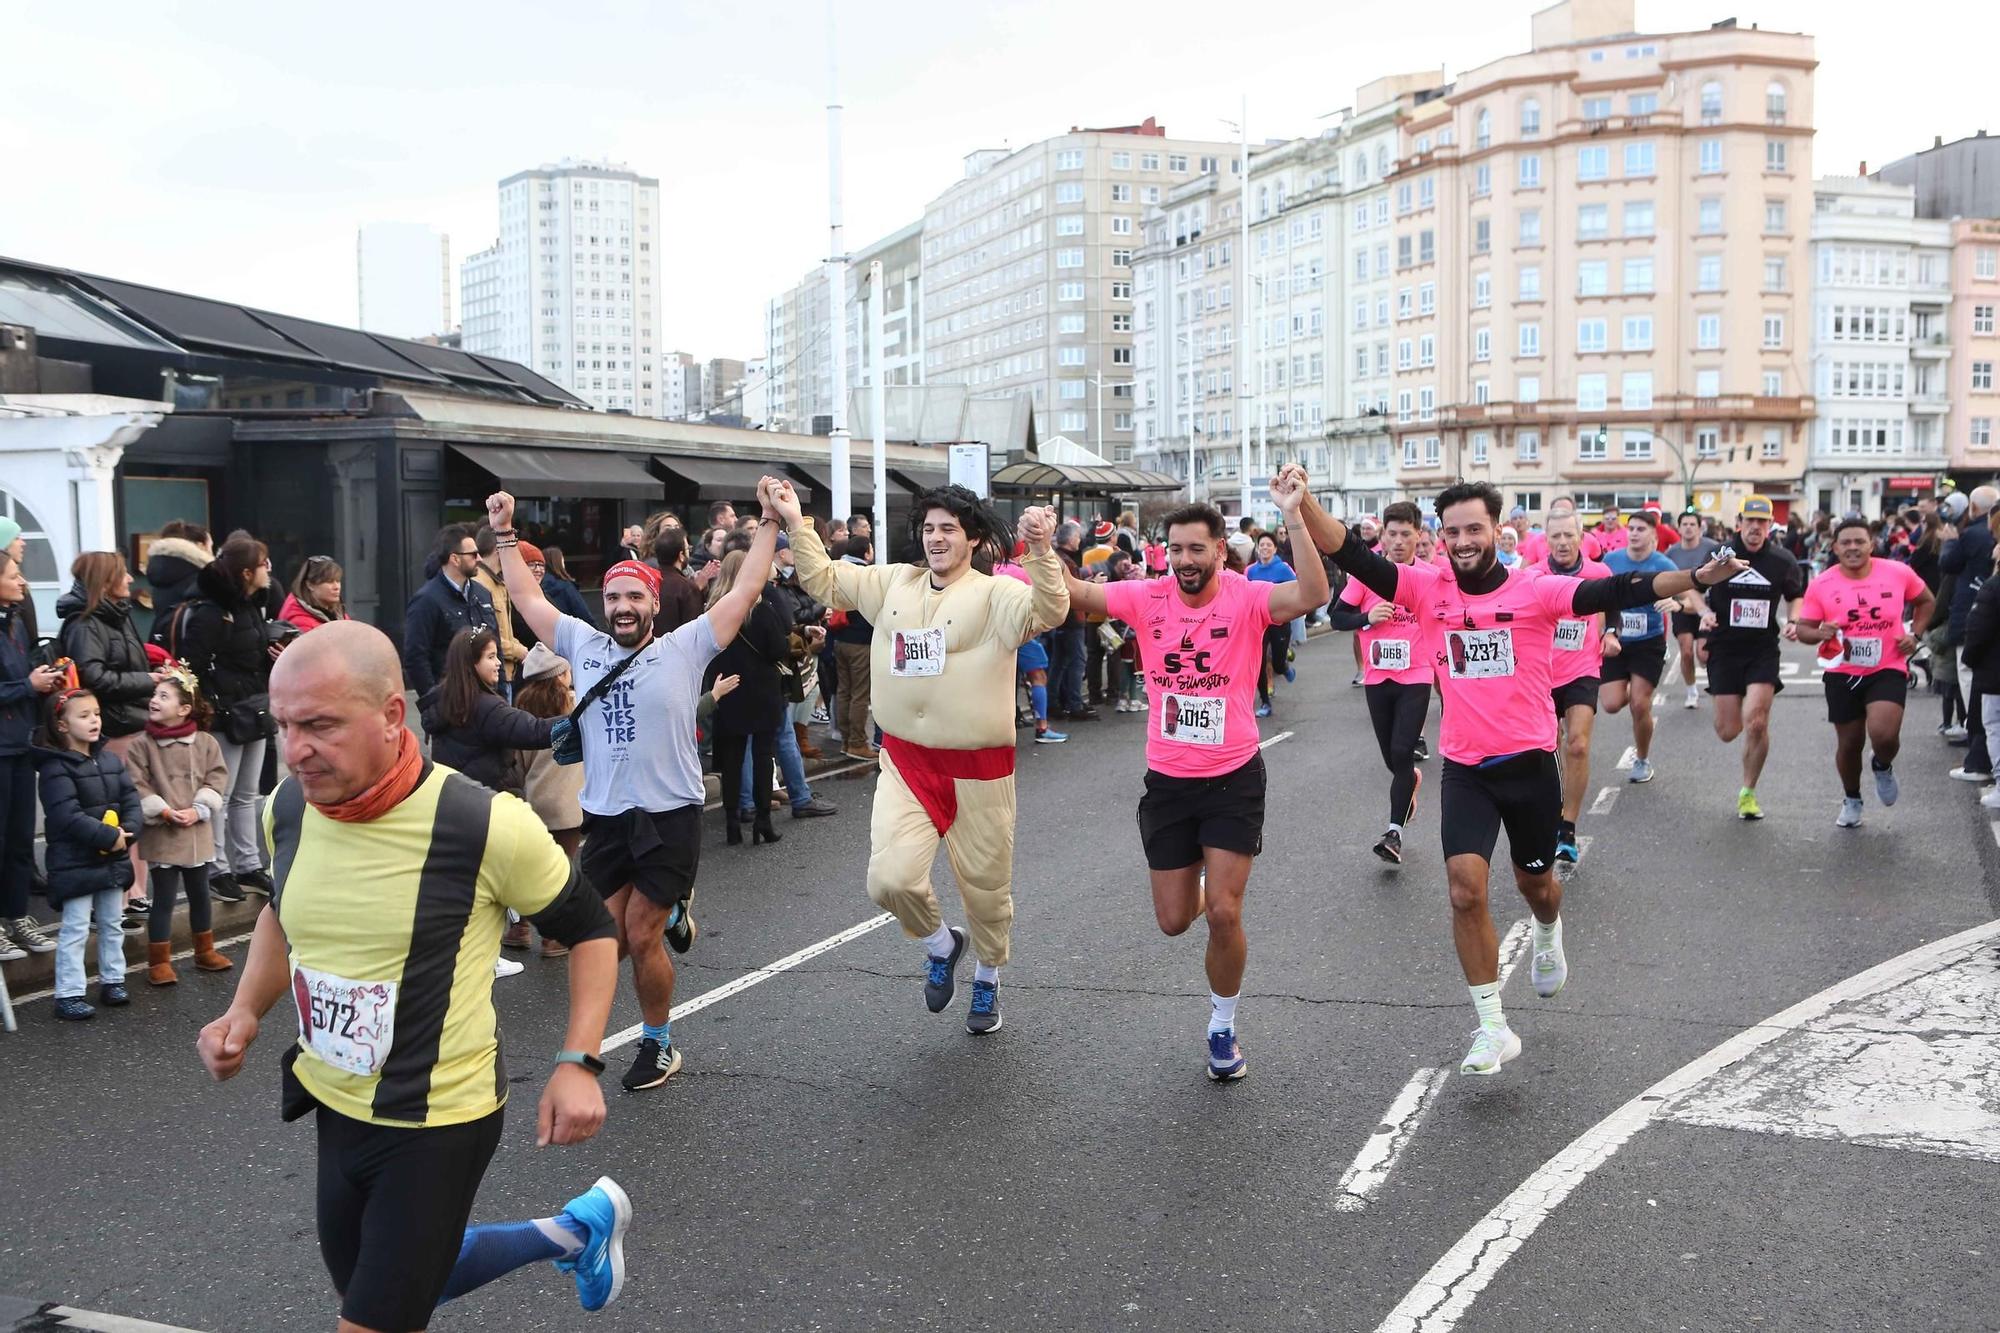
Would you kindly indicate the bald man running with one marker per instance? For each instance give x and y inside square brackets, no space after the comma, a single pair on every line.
[392,881]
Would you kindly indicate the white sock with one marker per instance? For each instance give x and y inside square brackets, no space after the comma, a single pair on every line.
[1396,829]
[981,972]
[1486,999]
[939,943]
[558,1234]
[1222,1012]
[1545,936]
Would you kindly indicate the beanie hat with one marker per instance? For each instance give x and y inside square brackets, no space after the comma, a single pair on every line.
[531,554]
[9,530]
[542,661]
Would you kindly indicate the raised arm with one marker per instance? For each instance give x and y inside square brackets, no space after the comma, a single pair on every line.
[726,617]
[1624,592]
[836,583]
[1310,589]
[1329,534]
[523,591]
[1051,590]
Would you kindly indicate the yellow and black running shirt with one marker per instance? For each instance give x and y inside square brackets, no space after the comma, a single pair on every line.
[394,925]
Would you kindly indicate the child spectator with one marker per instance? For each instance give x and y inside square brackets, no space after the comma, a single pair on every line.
[88,804]
[178,770]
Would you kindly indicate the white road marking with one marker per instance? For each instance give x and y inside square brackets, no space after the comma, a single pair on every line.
[1788,669]
[1626,760]
[762,974]
[140,966]
[1378,1155]
[1513,946]
[1267,744]
[1995,826]
[91,1321]
[1605,799]
[1444,1294]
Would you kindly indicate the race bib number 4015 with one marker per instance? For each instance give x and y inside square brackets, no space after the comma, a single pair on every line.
[1480,654]
[1193,719]
[349,1024]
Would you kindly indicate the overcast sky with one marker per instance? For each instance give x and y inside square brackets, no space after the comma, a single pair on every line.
[231,149]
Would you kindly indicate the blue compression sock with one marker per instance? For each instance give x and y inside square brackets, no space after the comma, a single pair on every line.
[1038,695]
[498,1248]
[657,1033]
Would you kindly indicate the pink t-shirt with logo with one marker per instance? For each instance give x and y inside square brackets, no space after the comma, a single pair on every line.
[1201,665]
[1578,645]
[1867,611]
[1491,654]
[1535,546]
[1392,650]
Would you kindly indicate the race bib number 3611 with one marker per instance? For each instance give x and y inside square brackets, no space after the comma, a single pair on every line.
[349,1024]
[917,652]
[1480,654]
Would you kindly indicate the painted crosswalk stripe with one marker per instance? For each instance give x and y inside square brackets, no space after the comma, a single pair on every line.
[1606,799]
[1378,1156]
[1512,947]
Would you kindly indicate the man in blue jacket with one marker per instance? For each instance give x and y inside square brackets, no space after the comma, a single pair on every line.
[1968,560]
[450,602]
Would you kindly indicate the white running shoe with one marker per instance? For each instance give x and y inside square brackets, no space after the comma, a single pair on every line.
[1549,968]
[1991,800]
[1642,771]
[506,967]
[1887,789]
[1964,774]
[1850,813]
[1693,699]
[1491,1048]
[1954,733]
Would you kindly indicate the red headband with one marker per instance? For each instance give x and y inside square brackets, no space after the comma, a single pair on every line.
[632,569]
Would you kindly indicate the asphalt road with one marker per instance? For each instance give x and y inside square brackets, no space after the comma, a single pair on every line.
[834,1157]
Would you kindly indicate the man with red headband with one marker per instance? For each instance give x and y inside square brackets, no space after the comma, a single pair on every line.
[642,789]
[943,691]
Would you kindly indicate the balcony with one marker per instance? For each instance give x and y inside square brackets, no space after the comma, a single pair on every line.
[1930,403]
[1931,347]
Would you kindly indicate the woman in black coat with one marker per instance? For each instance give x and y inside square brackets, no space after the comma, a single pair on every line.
[749,716]
[472,729]
[99,636]
[22,688]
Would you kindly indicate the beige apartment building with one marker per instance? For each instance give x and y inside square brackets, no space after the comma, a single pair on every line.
[1184,342]
[1601,269]
[1974,420]
[1027,263]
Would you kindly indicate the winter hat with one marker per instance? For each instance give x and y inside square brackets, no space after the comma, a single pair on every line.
[541,662]
[531,554]
[9,530]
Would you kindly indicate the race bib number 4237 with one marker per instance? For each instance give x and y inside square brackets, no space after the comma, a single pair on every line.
[1480,654]
[349,1024]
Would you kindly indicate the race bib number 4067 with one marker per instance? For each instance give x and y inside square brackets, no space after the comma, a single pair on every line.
[349,1024]
[1479,654]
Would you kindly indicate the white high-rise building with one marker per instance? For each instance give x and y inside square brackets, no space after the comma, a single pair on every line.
[571,287]
[403,279]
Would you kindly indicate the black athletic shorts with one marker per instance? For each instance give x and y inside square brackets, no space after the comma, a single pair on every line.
[1639,657]
[1522,793]
[656,852]
[1848,695]
[1580,692]
[1180,816]
[393,1204]
[1732,670]
[1686,623]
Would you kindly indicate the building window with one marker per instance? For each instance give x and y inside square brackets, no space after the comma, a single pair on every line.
[1069,226]
[1121,161]
[1638,219]
[1593,162]
[1982,375]
[1774,331]
[1177,162]
[1982,319]
[1591,392]
[1591,336]
[1404,306]
[1427,404]
[1776,217]
[1635,446]
[1482,392]
[1121,226]
[1982,433]
[1707,442]
[1073,389]
[1482,290]
[1591,447]
[1431,454]
[1775,157]
[1403,411]
[1708,215]
[1121,291]
[1635,391]
[1642,104]
[1531,118]
[1069,159]
[1426,192]
[1069,291]
[1596,108]
[1427,350]
[1985,262]
[1427,298]
[1774,383]
[1426,246]
[1069,258]
[1404,353]
[1531,226]
[1528,446]
[1711,103]
[1708,157]
[1593,278]
[1480,443]
[1638,276]
[1069,356]
[1482,235]
[1530,340]
[1530,280]
[1639,158]
[1403,251]
[1069,192]
[1482,129]
[1707,383]
[1410,451]
[1774,103]
[1482,344]
[1774,273]
[1638,333]
[1593,222]
[1528,389]
[1774,441]
[1708,273]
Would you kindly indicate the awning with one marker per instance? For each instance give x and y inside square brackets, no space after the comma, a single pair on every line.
[565,474]
[861,478]
[721,478]
[1033,478]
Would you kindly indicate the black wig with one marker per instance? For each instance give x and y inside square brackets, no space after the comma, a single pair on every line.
[991,537]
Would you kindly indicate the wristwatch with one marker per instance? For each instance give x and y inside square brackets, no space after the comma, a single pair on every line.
[590,1062]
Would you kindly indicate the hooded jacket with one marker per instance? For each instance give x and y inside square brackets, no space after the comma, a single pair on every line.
[1968,558]
[19,704]
[110,658]
[171,566]
[296,612]
[223,643]
[77,789]
[483,749]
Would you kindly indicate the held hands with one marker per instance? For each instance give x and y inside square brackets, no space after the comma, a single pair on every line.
[1288,489]
[1380,612]
[780,501]
[572,1109]
[500,511]
[223,1042]
[1038,528]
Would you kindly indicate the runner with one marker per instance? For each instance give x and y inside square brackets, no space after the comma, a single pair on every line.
[1268,568]
[392,879]
[1635,652]
[1740,618]
[1490,631]
[642,788]
[1863,603]
[944,654]
[1370,529]
[1398,678]
[1574,671]
[1201,637]
[1692,551]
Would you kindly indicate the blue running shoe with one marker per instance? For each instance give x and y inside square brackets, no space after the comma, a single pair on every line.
[984,1016]
[941,981]
[1225,1058]
[601,1213]
[1263,710]
[1051,737]
[1566,848]
[1291,674]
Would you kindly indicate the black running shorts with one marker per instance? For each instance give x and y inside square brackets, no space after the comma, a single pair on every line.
[393,1204]
[1848,695]
[1180,816]
[1732,670]
[656,852]
[1579,693]
[1522,793]
[1686,623]
[1640,657]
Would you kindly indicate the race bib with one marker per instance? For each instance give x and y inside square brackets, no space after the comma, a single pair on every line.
[1861,652]
[349,1024]
[1749,615]
[1631,624]
[1569,636]
[1193,719]
[1479,654]
[1390,655]
[916,652]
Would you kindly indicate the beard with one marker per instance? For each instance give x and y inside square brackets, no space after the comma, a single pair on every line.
[1194,579]
[1480,563]
[632,634]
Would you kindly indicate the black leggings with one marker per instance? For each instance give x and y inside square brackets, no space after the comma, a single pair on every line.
[1277,642]
[1398,712]
[167,882]
[729,748]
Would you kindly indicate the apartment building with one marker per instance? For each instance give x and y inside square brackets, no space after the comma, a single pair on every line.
[798,333]
[1960,179]
[1974,417]
[1028,266]
[1603,244]
[1881,347]
[798,351]
[679,383]
[571,286]
[901,255]
[1184,346]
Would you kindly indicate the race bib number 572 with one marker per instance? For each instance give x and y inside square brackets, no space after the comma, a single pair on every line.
[349,1024]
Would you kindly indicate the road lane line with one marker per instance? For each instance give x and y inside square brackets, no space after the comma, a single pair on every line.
[1512,947]
[1378,1155]
[95,1321]
[1265,745]
[762,974]
[1444,1294]
[1626,760]
[1605,800]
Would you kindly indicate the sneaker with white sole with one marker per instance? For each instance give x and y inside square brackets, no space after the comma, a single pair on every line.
[1972,774]
[1549,969]
[1642,771]
[1850,813]
[27,933]
[10,952]
[1887,789]
[1693,699]
[1954,733]
[1991,800]
[506,967]
[600,1214]
[1491,1048]
[1225,1057]
[653,1065]
[941,974]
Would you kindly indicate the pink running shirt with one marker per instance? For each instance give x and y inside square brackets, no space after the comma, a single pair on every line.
[1867,611]
[1392,650]
[1201,665]
[1491,654]
[1578,649]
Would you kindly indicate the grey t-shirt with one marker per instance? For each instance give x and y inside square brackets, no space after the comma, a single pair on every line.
[1683,558]
[639,749]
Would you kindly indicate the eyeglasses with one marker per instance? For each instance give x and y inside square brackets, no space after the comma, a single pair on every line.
[473,552]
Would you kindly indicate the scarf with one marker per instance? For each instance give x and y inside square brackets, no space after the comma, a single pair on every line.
[176,732]
[395,785]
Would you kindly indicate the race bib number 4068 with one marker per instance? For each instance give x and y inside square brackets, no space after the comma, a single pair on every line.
[349,1024]
[1389,655]
[1480,654]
